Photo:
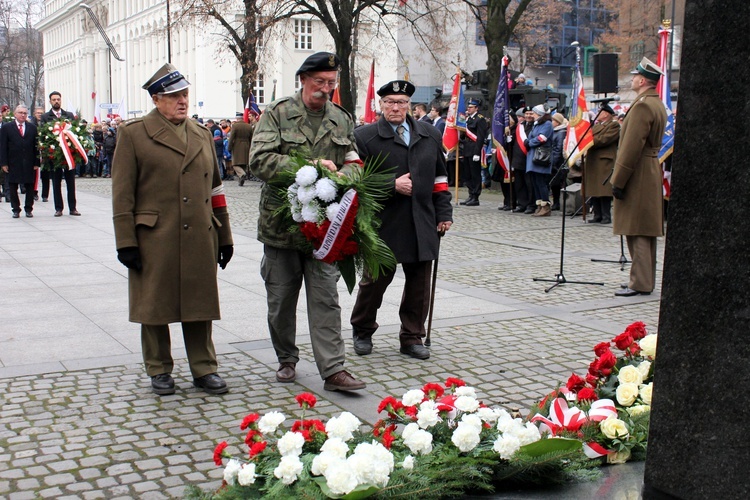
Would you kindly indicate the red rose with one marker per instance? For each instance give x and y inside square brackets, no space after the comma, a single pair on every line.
[587,394]
[623,341]
[433,391]
[218,451]
[249,420]
[635,348]
[607,360]
[601,348]
[452,383]
[257,448]
[575,383]
[592,380]
[306,400]
[637,330]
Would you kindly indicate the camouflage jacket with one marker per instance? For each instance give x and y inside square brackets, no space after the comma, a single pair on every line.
[282,129]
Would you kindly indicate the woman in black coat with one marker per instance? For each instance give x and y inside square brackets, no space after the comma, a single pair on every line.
[558,157]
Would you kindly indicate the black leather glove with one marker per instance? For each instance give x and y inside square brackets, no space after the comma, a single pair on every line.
[225,255]
[130,257]
[526,143]
[618,193]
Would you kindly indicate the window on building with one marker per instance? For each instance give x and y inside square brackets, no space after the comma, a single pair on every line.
[303,34]
[297,83]
[260,90]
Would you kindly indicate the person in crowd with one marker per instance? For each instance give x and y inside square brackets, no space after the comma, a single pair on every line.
[598,164]
[438,119]
[239,146]
[473,142]
[97,134]
[110,143]
[540,136]
[59,170]
[309,121]
[518,152]
[498,173]
[418,208]
[171,229]
[218,137]
[19,159]
[420,112]
[637,180]
[559,168]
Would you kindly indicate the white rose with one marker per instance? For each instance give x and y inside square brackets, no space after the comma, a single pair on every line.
[306,176]
[506,446]
[413,397]
[270,421]
[465,437]
[636,410]
[626,394]
[467,404]
[645,392]
[408,463]
[246,476]
[629,374]
[613,428]
[644,368]
[289,468]
[291,443]
[648,345]
[230,471]
[466,391]
[618,457]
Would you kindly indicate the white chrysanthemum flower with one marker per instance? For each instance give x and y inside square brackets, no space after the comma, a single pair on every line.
[465,437]
[334,445]
[341,478]
[408,462]
[322,462]
[466,391]
[270,421]
[417,440]
[332,210]
[306,176]
[289,469]
[343,426]
[427,415]
[291,443]
[466,404]
[489,415]
[246,476]
[506,446]
[413,397]
[325,189]
[311,212]
[231,470]
[306,194]
[291,192]
[297,216]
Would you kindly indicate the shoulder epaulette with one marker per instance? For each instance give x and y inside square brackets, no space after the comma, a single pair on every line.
[275,103]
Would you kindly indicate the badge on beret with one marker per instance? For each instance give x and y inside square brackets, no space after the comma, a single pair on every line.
[331,60]
[396,87]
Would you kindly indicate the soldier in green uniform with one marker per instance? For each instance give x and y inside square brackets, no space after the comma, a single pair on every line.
[306,122]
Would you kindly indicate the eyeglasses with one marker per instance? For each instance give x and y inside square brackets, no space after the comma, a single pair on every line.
[391,102]
[322,83]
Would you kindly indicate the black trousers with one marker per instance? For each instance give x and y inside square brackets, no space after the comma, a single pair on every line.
[522,188]
[15,202]
[473,177]
[70,185]
[45,177]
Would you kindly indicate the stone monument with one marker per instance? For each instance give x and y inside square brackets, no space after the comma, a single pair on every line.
[699,443]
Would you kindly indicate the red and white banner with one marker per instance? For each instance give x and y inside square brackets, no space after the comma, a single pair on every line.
[64,134]
[580,136]
[370,115]
[339,230]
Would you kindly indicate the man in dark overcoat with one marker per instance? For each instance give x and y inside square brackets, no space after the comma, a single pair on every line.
[239,145]
[599,162]
[637,180]
[59,172]
[476,133]
[418,208]
[171,229]
[19,159]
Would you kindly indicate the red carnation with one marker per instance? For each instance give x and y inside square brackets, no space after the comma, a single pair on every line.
[378,427]
[389,401]
[257,448]
[587,394]
[433,391]
[601,348]
[306,400]
[637,330]
[253,436]
[623,341]
[249,420]
[218,451]
[575,383]
[388,437]
[452,383]
[350,247]
[411,411]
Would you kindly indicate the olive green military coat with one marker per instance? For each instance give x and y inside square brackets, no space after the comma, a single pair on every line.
[239,142]
[282,129]
[600,159]
[162,204]
[637,170]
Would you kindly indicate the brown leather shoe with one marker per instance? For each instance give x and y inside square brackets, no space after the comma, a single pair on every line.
[286,373]
[58,213]
[75,212]
[343,381]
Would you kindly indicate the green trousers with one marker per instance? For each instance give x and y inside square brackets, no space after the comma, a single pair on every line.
[157,348]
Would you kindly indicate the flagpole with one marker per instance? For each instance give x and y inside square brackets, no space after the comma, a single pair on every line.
[458,135]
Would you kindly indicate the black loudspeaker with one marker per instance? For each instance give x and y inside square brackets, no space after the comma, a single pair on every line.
[605,73]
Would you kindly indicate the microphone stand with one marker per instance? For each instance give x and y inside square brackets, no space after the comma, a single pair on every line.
[559,278]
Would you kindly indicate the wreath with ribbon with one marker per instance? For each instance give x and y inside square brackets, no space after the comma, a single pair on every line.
[63,143]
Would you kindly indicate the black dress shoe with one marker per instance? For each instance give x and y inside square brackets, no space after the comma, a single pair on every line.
[466,201]
[529,210]
[555,207]
[211,383]
[606,220]
[362,344]
[416,351]
[45,200]
[519,210]
[472,203]
[162,384]
[286,373]
[506,208]
[629,292]
[595,220]
[15,215]
[29,214]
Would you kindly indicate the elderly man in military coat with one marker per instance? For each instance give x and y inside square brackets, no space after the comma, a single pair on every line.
[171,229]
[306,123]
[637,180]
[599,162]
[419,207]
[239,145]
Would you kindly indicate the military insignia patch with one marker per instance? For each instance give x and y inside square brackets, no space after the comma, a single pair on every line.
[331,60]
[396,87]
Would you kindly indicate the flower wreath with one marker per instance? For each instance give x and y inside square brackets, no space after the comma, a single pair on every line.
[64,143]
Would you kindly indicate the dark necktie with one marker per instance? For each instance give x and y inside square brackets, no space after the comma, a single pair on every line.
[401,130]
[20,129]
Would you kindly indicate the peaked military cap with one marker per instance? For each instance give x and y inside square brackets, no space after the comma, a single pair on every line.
[397,87]
[166,80]
[648,69]
[608,109]
[473,102]
[320,61]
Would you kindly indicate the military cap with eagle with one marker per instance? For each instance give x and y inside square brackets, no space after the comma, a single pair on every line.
[648,69]
[397,87]
[166,80]
[320,61]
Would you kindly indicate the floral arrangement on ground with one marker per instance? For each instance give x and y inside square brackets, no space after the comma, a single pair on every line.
[64,143]
[442,441]
[336,213]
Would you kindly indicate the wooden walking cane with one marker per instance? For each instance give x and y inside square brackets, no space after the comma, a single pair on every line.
[427,341]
